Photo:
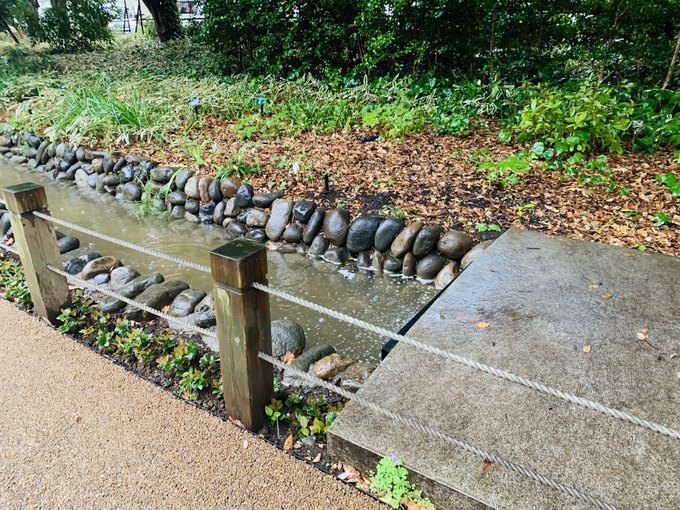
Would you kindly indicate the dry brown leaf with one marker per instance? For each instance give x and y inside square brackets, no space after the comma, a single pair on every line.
[488,466]
[482,325]
[350,474]
[288,443]
[288,358]
[297,445]
[607,296]
[236,422]
[677,374]
[594,286]
[586,349]
[643,335]
[317,458]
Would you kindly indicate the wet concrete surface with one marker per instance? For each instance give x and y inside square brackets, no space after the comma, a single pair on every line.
[545,300]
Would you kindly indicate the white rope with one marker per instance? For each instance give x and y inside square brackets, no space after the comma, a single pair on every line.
[141,306]
[502,374]
[126,244]
[425,429]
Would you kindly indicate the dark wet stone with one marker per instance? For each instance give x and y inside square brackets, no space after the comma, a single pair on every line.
[81,178]
[191,205]
[52,150]
[63,165]
[363,260]
[101,279]
[142,176]
[214,192]
[303,210]
[404,241]
[455,245]
[281,212]
[426,240]
[66,243]
[46,155]
[182,177]
[162,173]
[337,255]
[177,198]
[313,226]
[301,249]
[305,360]
[177,212]
[362,233]
[107,165]
[191,218]
[32,140]
[99,185]
[99,266]
[42,150]
[5,224]
[265,200]
[19,160]
[287,336]
[60,150]
[205,213]
[242,217]
[205,319]
[75,260]
[147,165]
[448,273]
[203,186]
[133,160]
[237,228]
[206,304]
[191,187]
[377,261]
[409,266]
[429,266]
[244,196]
[392,264]
[258,235]
[155,296]
[132,191]
[319,246]
[218,214]
[229,186]
[336,226]
[31,153]
[82,154]
[186,301]
[231,210]
[111,180]
[293,233]
[92,181]
[256,218]
[122,275]
[119,164]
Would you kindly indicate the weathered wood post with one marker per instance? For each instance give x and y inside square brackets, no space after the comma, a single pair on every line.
[36,241]
[243,329]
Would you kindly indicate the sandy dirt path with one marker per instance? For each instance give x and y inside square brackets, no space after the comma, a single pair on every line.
[77,432]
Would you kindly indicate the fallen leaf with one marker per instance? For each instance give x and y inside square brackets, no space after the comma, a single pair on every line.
[628,254]
[677,374]
[317,459]
[297,445]
[594,286]
[288,443]
[482,325]
[488,466]
[236,422]
[288,358]
[586,349]
[350,474]
[607,296]
[643,335]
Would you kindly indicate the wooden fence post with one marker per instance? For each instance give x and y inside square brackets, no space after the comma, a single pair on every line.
[243,329]
[36,241]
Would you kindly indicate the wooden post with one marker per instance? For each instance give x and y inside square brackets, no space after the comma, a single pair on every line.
[37,243]
[243,329]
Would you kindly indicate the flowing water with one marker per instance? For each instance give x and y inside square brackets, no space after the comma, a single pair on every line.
[384,301]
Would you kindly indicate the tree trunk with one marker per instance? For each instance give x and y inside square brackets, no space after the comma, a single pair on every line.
[166,18]
[9,31]
[674,61]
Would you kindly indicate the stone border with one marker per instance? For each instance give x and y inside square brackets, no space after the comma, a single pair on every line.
[375,242]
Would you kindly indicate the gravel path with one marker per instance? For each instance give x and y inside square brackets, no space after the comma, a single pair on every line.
[79,432]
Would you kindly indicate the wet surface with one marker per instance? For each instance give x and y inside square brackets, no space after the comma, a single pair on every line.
[384,301]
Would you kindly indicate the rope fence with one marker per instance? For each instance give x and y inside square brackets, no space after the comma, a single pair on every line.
[242,314]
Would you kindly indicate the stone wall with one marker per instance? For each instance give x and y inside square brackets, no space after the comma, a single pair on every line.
[383,244]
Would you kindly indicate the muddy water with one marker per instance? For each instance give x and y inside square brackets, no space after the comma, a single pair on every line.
[383,301]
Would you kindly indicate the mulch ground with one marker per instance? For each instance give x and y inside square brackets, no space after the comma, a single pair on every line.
[431,177]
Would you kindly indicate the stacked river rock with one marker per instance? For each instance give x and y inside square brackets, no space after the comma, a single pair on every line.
[375,242]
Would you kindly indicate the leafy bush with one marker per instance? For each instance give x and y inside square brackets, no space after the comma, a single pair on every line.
[390,481]
[587,119]
[669,179]
[12,282]
[75,25]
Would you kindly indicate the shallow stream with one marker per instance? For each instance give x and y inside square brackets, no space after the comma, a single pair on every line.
[384,301]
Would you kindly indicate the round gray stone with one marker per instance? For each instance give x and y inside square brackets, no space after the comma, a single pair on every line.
[336,226]
[426,240]
[429,266]
[362,232]
[287,336]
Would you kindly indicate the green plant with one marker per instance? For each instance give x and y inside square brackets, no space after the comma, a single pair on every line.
[183,354]
[491,227]
[13,283]
[661,219]
[671,181]
[505,171]
[74,317]
[391,482]
[192,381]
